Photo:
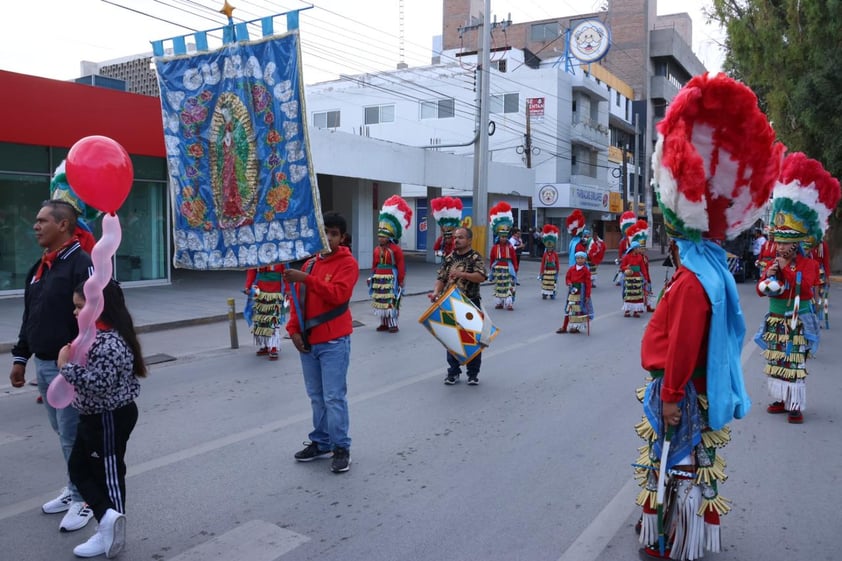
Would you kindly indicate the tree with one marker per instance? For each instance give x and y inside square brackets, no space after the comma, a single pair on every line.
[790,53]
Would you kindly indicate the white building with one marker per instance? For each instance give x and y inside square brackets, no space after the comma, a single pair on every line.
[573,117]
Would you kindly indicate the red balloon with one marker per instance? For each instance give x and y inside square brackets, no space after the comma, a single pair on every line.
[100,172]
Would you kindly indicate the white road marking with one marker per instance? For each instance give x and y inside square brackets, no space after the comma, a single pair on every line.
[595,538]
[234,438]
[255,540]
[604,527]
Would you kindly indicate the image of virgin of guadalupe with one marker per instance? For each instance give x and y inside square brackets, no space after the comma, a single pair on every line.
[233,163]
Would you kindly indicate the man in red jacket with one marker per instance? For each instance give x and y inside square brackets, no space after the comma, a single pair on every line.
[320,327]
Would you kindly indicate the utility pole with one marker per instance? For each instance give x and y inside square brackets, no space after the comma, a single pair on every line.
[527,141]
[626,192]
[480,192]
[636,167]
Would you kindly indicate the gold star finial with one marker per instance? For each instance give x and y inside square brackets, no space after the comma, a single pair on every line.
[227,9]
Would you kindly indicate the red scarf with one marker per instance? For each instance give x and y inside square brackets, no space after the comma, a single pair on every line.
[48,257]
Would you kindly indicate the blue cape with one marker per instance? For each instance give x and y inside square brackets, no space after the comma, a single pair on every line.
[727,396]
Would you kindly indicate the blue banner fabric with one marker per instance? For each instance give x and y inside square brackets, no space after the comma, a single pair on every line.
[244,192]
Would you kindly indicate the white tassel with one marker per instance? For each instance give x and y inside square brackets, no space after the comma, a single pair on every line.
[793,394]
[689,527]
[712,539]
[649,529]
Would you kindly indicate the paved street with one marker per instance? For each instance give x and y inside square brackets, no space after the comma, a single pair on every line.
[533,464]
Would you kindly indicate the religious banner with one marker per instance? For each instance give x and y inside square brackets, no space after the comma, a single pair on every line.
[244,192]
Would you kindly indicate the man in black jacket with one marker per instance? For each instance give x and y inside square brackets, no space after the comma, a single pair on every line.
[49,324]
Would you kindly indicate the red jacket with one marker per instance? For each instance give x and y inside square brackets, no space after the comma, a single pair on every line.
[330,283]
[636,260]
[444,247]
[676,338]
[821,255]
[504,251]
[809,269]
[582,276]
[550,256]
[384,255]
[253,276]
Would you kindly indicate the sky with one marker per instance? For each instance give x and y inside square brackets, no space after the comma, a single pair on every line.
[50,38]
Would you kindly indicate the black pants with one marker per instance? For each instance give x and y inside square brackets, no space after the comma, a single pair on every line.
[97,463]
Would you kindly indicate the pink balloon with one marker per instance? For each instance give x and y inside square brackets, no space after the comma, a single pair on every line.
[100,172]
[60,392]
[101,256]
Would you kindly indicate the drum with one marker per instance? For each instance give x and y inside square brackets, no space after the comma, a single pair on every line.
[458,325]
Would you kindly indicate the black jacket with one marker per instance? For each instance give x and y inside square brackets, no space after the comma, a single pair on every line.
[48,321]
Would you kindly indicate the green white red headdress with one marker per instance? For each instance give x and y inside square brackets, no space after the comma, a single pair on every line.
[549,235]
[802,200]
[575,222]
[626,220]
[447,212]
[395,217]
[61,190]
[501,219]
[638,233]
[715,160]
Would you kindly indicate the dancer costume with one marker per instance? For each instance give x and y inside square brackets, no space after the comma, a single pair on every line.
[820,253]
[595,248]
[636,284]
[447,212]
[504,263]
[387,265]
[627,220]
[269,310]
[575,226]
[802,201]
[548,274]
[692,344]
[579,309]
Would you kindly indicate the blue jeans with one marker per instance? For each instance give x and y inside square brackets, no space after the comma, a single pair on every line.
[63,421]
[325,370]
[454,367]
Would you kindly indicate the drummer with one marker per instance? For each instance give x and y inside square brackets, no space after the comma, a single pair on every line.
[465,268]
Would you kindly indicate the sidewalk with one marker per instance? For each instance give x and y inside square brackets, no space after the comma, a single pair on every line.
[200,297]
[197,297]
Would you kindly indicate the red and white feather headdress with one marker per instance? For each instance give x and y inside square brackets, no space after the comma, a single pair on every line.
[575,222]
[715,160]
[395,218]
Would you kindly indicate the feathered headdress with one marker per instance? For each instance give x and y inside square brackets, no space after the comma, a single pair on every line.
[638,233]
[447,212]
[395,217]
[501,219]
[802,200]
[715,160]
[626,220]
[61,190]
[575,222]
[549,235]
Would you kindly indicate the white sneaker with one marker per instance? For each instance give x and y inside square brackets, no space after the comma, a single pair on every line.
[91,548]
[59,504]
[113,530]
[77,517]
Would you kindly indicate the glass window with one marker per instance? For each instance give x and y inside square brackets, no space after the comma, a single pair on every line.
[326,119]
[142,254]
[505,103]
[379,114]
[20,157]
[438,109]
[544,31]
[20,200]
